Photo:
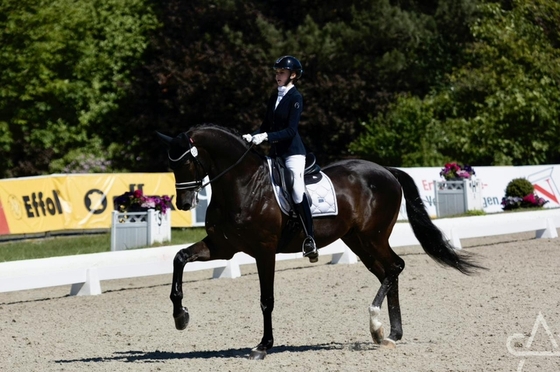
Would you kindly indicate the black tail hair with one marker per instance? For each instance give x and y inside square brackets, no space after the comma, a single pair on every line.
[429,235]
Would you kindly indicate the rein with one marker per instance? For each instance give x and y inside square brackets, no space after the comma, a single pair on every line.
[198,183]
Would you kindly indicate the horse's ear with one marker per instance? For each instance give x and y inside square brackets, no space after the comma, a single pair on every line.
[166,140]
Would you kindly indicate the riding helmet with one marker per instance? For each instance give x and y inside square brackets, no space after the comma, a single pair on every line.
[289,63]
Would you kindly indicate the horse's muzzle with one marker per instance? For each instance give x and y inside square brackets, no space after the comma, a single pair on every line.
[186,200]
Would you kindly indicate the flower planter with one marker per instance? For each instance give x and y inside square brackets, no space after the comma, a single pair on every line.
[139,229]
[457,197]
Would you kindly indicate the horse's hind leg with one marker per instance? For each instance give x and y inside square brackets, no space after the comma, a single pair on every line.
[390,289]
[197,252]
[386,265]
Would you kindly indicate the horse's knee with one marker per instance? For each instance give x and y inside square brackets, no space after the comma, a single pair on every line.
[181,258]
[186,255]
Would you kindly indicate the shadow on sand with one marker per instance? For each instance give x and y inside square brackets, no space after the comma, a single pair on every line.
[157,355]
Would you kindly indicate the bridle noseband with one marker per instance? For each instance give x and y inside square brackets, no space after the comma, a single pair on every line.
[197,184]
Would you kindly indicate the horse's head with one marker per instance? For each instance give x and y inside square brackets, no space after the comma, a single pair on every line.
[213,151]
[188,171]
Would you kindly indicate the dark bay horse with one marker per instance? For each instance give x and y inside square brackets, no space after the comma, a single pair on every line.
[244,216]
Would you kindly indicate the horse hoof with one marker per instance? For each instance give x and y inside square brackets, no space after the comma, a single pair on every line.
[378,336]
[313,258]
[388,344]
[182,320]
[257,354]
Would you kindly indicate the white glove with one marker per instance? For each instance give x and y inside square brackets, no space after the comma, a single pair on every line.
[259,138]
[247,137]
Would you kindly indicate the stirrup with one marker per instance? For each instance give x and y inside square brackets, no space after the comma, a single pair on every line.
[310,249]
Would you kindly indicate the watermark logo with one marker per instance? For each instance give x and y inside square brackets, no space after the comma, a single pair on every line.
[516,346]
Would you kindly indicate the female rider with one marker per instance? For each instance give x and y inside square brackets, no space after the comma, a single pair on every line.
[280,128]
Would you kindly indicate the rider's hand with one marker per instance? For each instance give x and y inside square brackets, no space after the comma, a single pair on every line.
[247,137]
[259,138]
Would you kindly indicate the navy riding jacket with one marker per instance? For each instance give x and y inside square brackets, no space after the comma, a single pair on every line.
[282,124]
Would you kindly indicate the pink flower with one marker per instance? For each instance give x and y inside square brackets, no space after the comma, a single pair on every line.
[137,199]
[452,171]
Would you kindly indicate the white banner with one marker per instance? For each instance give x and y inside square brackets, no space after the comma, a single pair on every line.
[545,178]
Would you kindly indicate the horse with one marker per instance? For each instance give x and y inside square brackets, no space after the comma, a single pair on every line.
[244,216]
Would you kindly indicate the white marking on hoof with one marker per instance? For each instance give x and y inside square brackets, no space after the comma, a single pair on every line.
[374,323]
[375,326]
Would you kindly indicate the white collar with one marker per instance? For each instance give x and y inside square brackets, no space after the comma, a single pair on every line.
[284,89]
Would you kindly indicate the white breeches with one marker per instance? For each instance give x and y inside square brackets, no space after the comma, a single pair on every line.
[296,163]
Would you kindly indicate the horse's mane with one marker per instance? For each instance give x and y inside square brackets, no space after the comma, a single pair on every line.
[235,133]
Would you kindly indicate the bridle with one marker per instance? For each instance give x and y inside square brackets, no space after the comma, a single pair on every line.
[198,184]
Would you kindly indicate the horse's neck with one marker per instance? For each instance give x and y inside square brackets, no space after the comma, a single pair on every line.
[223,152]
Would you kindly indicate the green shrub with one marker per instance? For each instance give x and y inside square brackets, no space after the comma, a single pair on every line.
[519,187]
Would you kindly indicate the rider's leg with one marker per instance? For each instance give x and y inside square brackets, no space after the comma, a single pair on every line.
[296,164]
[309,247]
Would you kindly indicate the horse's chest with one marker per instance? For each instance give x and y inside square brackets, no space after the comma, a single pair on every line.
[227,217]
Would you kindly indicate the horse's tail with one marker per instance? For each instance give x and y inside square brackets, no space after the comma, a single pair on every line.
[429,235]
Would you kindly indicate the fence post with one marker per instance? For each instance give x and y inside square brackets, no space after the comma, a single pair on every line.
[346,257]
[455,240]
[550,231]
[92,286]
[230,270]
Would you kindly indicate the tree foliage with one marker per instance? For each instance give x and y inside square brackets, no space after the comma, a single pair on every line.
[500,105]
[84,84]
[357,58]
[64,67]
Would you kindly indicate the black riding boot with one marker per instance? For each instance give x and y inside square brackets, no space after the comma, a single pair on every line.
[309,248]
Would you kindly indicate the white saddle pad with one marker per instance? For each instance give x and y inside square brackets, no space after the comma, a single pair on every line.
[322,194]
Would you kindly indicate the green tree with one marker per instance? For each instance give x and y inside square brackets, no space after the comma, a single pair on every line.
[64,67]
[212,64]
[83,85]
[406,135]
[501,104]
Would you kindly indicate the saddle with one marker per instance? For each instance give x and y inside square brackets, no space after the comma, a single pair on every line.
[283,177]
[319,190]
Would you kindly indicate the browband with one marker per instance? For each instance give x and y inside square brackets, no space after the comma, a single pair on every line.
[193,151]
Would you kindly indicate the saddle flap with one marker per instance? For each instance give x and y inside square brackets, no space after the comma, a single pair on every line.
[281,175]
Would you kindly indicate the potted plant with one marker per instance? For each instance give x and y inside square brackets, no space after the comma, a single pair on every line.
[456,172]
[140,220]
[136,201]
[520,193]
[458,191]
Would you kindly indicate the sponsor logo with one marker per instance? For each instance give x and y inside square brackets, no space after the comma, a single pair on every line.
[95,201]
[517,345]
[40,205]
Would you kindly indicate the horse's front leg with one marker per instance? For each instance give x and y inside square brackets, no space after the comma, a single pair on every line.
[265,267]
[197,252]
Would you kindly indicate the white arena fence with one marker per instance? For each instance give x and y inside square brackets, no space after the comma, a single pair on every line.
[85,272]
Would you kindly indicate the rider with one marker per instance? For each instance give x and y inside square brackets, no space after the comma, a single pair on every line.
[280,128]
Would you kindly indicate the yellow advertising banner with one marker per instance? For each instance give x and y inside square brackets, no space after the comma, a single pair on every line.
[77,201]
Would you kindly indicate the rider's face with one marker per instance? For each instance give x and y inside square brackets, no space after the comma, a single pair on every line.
[283,76]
